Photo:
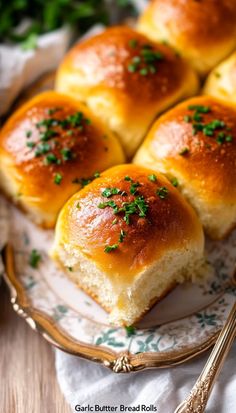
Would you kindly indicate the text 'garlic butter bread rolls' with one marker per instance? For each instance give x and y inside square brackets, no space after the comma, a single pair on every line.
[203,31]
[126,80]
[49,149]
[195,144]
[221,82]
[127,239]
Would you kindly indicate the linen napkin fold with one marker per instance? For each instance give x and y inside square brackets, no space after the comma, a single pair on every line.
[86,383]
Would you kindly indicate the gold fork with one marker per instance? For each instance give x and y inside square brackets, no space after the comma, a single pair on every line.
[198,397]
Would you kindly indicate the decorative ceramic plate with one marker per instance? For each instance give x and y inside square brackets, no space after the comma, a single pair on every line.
[178,328]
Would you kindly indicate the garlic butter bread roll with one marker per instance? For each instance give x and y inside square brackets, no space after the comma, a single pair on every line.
[203,31]
[221,82]
[127,239]
[49,149]
[126,80]
[195,145]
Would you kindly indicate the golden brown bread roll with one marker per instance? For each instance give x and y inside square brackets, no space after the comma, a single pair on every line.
[126,80]
[49,148]
[127,239]
[203,31]
[221,82]
[195,144]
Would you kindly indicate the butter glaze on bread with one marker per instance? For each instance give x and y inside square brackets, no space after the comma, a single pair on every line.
[41,167]
[157,248]
[221,82]
[204,165]
[100,72]
[203,31]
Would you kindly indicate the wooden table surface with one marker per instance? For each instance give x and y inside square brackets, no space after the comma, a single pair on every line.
[27,373]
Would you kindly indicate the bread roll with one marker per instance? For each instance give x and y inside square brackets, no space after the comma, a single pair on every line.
[203,31]
[49,148]
[127,239]
[221,82]
[126,80]
[195,144]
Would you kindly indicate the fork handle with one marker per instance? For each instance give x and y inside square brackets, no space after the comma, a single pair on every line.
[197,400]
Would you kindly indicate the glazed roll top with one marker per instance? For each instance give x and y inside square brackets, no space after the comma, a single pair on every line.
[195,145]
[126,80]
[50,148]
[203,31]
[127,239]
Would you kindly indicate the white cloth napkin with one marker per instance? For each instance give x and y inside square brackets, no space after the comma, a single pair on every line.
[19,68]
[83,382]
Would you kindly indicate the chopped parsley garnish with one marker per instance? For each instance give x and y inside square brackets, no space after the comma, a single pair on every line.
[133,43]
[184,151]
[133,187]
[108,192]
[28,133]
[57,179]
[127,178]
[78,205]
[66,154]
[122,235]
[162,192]
[34,258]
[152,178]
[208,129]
[50,158]
[110,248]
[30,144]
[143,71]
[174,182]
[42,149]
[96,174]
[145,61]
[200,108]
[114,221]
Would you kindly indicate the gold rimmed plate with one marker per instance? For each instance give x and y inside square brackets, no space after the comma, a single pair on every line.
[180,327]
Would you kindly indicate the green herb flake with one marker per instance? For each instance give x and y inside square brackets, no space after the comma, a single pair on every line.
[162,192]
[34,258]
[114,222]
[108,192]
[78,205]
[152,178]
[122,235]
[96,174]
[66,154]
[30,144]
[110,248]
[57,179]
[50,158]
[187,118]
[132,68]
[30,43]
[184,151]
[143,71]
[134,187]
[133,43]
[174,182]
[200,108]
[28,133]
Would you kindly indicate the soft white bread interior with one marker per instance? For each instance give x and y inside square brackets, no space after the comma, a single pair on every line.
[127,239]
[49,149]
[195,144]
[126,80]
[221,82]
[204,31]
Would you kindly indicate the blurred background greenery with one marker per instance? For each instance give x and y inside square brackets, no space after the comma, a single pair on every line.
[23,21]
